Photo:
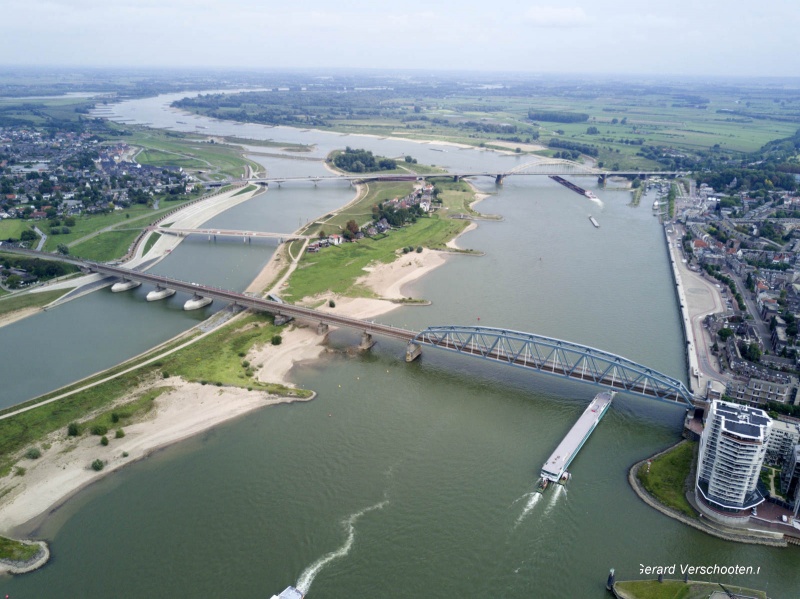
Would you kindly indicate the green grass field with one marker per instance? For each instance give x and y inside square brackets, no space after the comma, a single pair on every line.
[151,241]
[12,228]
[667,477]
[16,302]
[677,589]
[335,269]
[17,552]
[105,246]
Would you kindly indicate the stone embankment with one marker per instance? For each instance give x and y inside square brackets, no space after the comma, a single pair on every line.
[727,534]
[37,561]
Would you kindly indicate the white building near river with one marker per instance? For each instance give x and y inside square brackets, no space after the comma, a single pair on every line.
[732,450]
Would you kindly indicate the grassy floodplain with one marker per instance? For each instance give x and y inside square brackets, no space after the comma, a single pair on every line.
[667,477]
[190,152]
[336,268]
[12,228]
[29,300]
[214,359]
[624,116]
[677,589]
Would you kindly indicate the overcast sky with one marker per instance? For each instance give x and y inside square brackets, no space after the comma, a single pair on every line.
[677,37]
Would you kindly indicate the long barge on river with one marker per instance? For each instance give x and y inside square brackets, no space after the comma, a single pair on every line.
[555,468]
[573,187]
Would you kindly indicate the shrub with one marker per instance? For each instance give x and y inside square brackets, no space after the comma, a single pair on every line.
[245,364]
[114,417]
[165,374]
[419,249]
[97,465]
[331,303]
[219,384]
[119,434]
[99,429]
[204,382]
[33,453]
[73,430]
[124,454]
[277,339]
[19,471]
[241,354]
[104,441]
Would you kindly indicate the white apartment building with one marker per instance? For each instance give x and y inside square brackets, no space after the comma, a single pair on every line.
[732,449]
[782,440]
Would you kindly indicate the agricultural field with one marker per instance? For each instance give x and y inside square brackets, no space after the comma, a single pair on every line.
[618,120]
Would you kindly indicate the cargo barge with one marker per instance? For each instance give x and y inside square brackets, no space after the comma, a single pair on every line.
[289,593]
[573,187]
[555,468]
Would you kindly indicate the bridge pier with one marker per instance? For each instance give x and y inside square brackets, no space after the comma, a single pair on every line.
[366,341]
[413,351]
[456,178]
[498,180]
[281,319]
[322,328]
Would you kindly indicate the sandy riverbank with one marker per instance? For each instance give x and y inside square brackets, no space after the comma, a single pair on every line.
[16,315]
[186,410]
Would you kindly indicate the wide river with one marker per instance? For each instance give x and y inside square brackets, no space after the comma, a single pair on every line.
[398,480]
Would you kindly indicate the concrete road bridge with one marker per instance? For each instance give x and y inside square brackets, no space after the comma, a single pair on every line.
[538,168]
[529,351]
[214,233]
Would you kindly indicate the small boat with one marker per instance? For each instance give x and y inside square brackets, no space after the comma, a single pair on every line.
[542,485]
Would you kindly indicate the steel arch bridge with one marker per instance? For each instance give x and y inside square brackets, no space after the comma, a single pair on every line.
[557,357]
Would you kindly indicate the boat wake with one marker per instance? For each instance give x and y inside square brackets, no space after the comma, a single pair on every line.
[533,498]
[308,575]
[597,201]
[558,491]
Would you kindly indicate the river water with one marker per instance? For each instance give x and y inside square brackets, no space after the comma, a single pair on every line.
[399,479]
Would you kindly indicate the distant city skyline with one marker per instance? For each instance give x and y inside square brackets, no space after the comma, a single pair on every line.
[586,36]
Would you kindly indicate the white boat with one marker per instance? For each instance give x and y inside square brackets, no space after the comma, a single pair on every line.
[656,205]
[124,286]
[590,195]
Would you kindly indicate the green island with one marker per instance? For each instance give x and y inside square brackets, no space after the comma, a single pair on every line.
[677,589]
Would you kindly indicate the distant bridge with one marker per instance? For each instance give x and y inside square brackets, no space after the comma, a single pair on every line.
[214,233]
[533,352]
[538,168]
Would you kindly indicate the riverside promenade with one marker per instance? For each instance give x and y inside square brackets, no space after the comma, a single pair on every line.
[697,298]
